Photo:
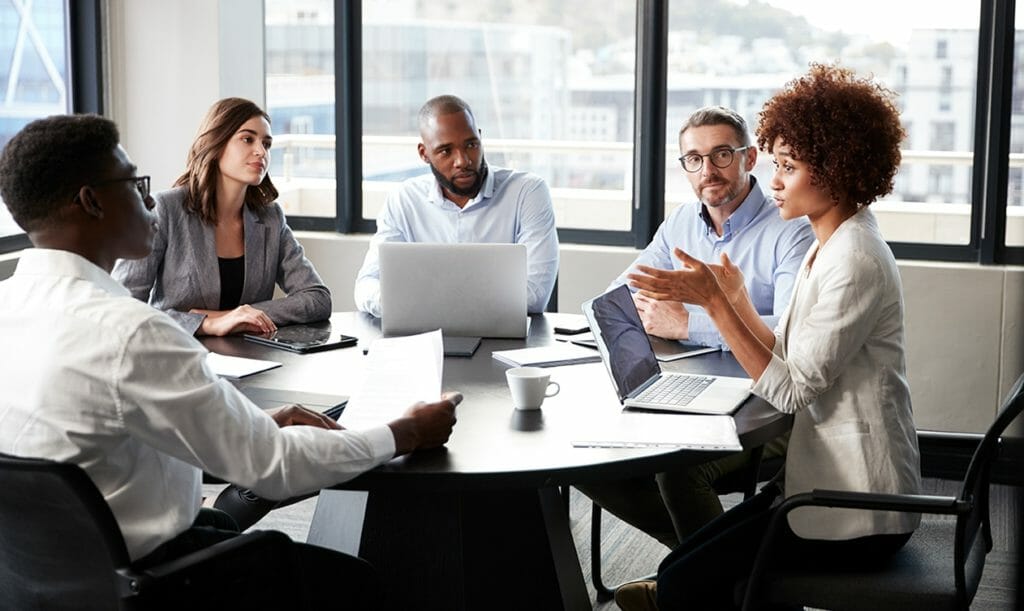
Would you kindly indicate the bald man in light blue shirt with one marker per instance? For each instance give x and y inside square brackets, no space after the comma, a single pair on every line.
[463,200]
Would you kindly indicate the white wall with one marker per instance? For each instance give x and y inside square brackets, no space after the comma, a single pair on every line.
[167,63]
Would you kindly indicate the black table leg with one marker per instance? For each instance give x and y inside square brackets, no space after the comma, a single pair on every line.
[460,550]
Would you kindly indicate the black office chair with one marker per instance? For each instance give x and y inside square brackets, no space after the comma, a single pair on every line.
[745,481]
[60,548]
[939,568]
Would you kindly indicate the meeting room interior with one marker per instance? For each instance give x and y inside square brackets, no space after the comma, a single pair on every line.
[590,97]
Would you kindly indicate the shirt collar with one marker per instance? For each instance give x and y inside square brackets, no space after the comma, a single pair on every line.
[49,262]
[486,192]
[748,209]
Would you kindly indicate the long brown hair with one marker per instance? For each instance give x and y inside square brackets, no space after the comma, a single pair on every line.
[202,170]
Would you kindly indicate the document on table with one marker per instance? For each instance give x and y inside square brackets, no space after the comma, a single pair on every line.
[236,366]
[400,371]
[631,429]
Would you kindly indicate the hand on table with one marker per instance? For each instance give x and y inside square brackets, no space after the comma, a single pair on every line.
[667,319]
[243,319]
[296,415]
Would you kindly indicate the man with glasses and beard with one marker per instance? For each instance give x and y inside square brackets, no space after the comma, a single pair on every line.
[733,217]
[463,200]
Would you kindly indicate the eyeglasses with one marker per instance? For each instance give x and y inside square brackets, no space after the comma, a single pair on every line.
[141,183]
[720,158]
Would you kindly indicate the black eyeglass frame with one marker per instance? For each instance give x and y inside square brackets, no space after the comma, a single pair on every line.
[732,157]
[141,183]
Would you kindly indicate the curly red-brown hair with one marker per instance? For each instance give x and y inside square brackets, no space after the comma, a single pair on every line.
[846,128]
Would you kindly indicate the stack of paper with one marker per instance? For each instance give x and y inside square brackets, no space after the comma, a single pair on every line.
[236,366]
[547,356]
[400,372]
[646,430]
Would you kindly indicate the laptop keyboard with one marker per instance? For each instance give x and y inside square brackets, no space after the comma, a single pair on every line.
[675,389]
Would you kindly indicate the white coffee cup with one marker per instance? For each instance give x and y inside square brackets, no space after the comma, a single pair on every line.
[530,386]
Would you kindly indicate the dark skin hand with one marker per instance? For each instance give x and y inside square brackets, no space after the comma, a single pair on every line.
[425,425]
[296,415]
[421,427]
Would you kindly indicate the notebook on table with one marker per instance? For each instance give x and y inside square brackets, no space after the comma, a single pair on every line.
[472,290]
[636,375]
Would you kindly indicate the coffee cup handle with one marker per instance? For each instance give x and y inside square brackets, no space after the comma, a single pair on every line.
[552,394]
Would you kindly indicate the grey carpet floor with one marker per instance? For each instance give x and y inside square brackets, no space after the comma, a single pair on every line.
[628,553]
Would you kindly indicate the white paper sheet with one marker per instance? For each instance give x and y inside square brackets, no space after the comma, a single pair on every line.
[645,430]
[236,366]
[399,372]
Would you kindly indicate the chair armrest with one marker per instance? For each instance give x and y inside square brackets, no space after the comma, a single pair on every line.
[916,503]
[253,556]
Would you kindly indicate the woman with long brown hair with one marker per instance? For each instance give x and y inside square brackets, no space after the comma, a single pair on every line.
[223,242]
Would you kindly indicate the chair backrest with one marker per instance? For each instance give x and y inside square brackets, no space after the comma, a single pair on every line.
[976,489]
[60,546]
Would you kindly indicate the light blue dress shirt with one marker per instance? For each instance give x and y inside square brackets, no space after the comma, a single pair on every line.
[512,208]
[767,249]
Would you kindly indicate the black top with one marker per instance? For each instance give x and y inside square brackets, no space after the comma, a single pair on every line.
[232,276]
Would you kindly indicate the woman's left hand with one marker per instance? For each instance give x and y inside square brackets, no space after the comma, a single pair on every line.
[695,283]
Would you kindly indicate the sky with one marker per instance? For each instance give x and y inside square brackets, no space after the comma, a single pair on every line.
[888,20]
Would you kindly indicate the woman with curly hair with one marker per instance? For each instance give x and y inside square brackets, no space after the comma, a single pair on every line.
[223,242]
[836,360]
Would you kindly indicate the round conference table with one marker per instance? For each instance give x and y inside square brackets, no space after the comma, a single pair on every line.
[480,523]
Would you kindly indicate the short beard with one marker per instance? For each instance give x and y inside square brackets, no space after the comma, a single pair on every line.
[451,187]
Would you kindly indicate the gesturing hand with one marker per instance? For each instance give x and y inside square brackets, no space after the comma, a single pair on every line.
[730,278]
[695,283]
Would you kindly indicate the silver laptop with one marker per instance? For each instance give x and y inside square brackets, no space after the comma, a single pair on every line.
[637,377]
[476,290]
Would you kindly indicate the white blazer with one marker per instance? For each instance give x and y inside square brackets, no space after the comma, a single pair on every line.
[839,364]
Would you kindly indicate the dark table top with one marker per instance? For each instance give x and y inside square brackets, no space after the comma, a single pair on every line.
[494,445]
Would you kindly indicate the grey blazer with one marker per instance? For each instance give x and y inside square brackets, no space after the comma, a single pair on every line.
[182,272]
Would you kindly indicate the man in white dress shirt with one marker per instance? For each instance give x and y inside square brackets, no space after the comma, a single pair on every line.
[464,200]
[106,382]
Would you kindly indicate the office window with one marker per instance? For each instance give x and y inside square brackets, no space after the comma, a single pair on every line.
[551,84]
[299,48]
[33,71]
[718,55]
[1015,187]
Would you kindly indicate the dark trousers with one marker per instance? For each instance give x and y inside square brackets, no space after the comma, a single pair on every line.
[313,577]
[702,573]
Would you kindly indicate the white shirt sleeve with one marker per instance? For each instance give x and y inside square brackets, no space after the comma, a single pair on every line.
[169,399]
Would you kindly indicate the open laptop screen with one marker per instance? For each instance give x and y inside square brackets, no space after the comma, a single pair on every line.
[473,290]
[627,349]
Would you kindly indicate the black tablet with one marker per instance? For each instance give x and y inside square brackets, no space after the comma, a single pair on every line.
[313,337]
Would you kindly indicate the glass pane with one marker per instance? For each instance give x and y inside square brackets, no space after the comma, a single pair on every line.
[1015,193]
[300,101]
[33,71]
[719,54]
[550,83]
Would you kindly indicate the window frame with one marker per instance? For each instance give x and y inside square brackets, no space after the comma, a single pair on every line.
[987,244]
[83,29]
